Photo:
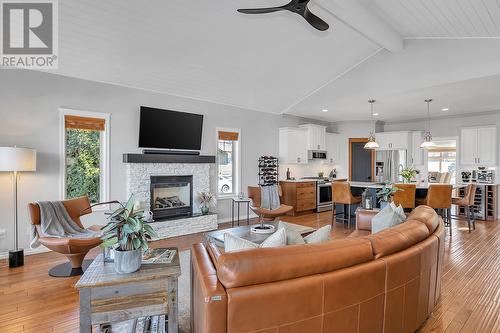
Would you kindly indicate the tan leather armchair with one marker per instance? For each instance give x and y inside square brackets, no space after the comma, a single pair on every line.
[75,249]
[266,214]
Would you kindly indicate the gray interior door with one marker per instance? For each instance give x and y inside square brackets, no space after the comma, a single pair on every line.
[361,162]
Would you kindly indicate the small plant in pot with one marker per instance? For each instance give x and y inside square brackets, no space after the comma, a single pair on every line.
[408,174]
[386,193]
[206,200]
[128,234]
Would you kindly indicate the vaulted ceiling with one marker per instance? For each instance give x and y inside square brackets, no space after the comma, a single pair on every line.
[396,51]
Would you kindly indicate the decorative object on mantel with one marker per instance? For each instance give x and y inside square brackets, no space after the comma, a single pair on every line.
[427,135]
[206,200]
[408,173]
[372,143]
[268,170]
[16,159]
[128,234]
[386,193]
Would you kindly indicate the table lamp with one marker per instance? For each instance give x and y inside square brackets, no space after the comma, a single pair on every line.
[15,160]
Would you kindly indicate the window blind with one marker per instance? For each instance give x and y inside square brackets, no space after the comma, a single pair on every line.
[228,136]
[86,123]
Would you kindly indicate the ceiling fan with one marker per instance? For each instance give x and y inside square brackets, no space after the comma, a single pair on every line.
[295,6]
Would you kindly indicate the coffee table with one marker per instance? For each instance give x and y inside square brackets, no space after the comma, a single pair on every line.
[217,237]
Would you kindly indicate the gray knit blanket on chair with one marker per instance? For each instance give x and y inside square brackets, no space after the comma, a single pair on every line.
[56,222]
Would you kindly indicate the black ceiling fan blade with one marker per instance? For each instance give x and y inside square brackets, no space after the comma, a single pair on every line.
[260,10]
[315,21]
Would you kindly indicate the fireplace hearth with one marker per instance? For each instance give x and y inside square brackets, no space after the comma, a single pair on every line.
[171,196]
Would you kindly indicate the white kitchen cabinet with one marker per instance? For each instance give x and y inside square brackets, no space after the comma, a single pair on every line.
[315,136]
[417,153]
[332,148]
[392,140]
[292,145]
[478,145]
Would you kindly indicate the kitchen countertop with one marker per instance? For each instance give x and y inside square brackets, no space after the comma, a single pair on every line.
[424,186]
[300,180]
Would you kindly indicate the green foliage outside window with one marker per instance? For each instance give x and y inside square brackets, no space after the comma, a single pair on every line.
[83,153]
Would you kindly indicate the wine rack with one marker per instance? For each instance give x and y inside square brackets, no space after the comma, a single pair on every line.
[268,170]
[485,200]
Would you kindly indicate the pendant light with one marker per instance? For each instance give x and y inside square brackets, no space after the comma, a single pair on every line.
[427,135]
[371,144]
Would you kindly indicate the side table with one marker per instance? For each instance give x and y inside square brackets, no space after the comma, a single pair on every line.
[238,201]
[107,297]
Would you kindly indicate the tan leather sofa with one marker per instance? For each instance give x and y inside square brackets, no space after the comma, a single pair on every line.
[386,282]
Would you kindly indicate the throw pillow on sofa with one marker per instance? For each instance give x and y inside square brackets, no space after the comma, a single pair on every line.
[388,217]
[235,243]
[293,237]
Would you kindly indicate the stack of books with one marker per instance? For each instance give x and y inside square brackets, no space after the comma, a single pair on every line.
[150,324]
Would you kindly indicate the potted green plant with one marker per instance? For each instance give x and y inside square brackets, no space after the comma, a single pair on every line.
[408,173]
[206,199]
[386,193]
[128,234]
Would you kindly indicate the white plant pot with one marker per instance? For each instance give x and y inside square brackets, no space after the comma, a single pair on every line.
[127,261]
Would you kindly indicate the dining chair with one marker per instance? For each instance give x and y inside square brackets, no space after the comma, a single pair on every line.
[439,198]
[341,194]
[467,201]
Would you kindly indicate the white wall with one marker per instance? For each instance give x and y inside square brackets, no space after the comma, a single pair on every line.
[29,117]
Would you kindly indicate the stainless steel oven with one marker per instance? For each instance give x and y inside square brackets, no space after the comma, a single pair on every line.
[324,196]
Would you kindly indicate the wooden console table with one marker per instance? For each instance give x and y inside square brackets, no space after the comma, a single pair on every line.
[107,297]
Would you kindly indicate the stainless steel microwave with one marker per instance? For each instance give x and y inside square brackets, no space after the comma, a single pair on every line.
[316,155]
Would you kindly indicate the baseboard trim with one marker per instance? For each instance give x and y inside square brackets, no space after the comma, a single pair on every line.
[27,252]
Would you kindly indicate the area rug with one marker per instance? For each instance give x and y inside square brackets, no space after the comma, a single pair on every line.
[184,292]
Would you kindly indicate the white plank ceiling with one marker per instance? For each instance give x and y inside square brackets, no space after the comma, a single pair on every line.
[278,63]
[441,18]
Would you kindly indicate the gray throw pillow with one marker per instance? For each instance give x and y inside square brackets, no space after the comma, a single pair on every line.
[388,217]
[319,236]
[293,237]
[235,243]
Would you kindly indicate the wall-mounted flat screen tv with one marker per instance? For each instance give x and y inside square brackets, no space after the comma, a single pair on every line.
[167,129]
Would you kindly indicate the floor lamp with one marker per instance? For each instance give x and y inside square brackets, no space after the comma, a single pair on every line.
[15,160]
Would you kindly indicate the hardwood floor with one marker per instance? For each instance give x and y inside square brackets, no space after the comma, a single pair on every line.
[31,301]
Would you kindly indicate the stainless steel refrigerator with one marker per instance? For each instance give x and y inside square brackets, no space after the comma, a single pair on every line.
[389,164]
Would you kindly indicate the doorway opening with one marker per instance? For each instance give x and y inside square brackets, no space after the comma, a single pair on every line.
[361,161]
[442,161]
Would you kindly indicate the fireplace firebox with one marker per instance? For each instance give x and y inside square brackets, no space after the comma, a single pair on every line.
[171,196]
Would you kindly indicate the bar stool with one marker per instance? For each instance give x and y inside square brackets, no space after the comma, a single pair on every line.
[341,194]
[439,198]
[406,196]
[467,201]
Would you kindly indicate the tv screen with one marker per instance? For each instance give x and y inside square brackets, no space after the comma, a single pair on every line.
[169,129]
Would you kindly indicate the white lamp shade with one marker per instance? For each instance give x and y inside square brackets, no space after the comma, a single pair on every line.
[17,159]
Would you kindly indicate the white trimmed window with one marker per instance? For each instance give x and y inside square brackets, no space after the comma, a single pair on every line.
[228,161]
[85,155]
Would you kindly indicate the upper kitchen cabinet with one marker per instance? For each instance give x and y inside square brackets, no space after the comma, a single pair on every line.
[292,145]
[315,136]
[392,140]
[417,153]
[332,148]
[478,145]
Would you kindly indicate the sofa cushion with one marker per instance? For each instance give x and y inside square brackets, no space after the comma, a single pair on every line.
[242,268]
[398,238]
[426,215]
[235,243]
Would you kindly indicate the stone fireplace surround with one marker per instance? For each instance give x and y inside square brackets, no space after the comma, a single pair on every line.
[138,182]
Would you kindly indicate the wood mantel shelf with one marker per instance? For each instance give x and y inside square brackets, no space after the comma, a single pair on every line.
[167,158]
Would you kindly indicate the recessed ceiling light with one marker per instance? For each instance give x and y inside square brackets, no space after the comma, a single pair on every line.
[376,114]
[325,110]
[444,109]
